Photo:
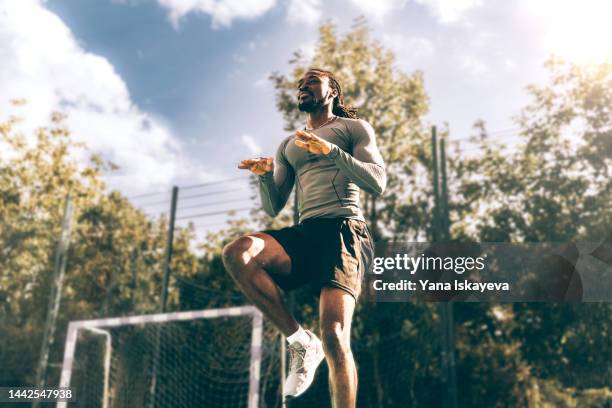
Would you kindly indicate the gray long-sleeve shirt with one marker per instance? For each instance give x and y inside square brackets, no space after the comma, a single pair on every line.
[328,185]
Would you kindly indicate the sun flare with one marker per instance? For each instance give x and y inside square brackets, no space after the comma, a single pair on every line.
[578,31]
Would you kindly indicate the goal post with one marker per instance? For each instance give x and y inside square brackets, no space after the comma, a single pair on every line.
[103,328]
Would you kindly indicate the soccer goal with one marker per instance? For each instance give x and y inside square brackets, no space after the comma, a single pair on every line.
[208,358]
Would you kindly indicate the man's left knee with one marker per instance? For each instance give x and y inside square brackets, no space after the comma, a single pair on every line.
[336,342]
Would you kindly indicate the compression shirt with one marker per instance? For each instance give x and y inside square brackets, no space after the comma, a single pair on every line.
[328,185]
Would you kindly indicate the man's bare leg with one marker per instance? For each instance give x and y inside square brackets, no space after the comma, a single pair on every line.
[247,260]
[336,312]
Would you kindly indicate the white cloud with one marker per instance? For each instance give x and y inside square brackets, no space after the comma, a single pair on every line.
[223,12]
[304,11]
[250,143]
[308,50]
[378,9]
[408,48]
[449,11]
[483,39]
[52,72]
[472,65]
[263,82]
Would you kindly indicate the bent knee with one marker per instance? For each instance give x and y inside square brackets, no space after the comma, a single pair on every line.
[242,251]
[233,249]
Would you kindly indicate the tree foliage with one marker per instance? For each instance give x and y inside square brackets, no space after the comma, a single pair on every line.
[115,255]
[552,186]
[555,185]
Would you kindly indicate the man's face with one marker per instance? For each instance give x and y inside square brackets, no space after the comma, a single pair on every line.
[314,92]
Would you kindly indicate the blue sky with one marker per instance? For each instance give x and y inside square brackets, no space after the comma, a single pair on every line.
[176,91]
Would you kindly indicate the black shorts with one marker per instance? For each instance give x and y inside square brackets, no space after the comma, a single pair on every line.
[334,252]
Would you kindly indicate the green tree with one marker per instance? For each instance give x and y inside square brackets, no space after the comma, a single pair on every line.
[556,184]
[553,186]
[116,252]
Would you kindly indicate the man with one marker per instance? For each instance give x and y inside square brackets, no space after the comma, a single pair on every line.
[330,248]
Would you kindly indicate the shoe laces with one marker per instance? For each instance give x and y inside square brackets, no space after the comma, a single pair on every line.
[298,354]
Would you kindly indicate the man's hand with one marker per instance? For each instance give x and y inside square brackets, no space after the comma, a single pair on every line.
[311,142]
[259,166]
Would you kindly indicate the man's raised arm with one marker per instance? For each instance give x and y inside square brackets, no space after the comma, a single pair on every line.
[275,185]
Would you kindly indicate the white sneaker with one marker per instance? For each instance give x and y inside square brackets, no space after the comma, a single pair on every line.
[304,362]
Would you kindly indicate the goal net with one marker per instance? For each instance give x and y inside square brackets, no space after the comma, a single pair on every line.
[208,358]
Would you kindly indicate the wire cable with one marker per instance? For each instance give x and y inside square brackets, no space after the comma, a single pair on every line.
[497,132]
[147,194]
[211,183]
[213,213]
[204,205]
[189,197]
[153,204]
[188,187]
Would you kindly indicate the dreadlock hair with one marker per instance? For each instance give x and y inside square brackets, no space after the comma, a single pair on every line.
[339,109]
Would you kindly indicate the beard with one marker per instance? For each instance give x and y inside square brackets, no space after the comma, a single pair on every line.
[309,105]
